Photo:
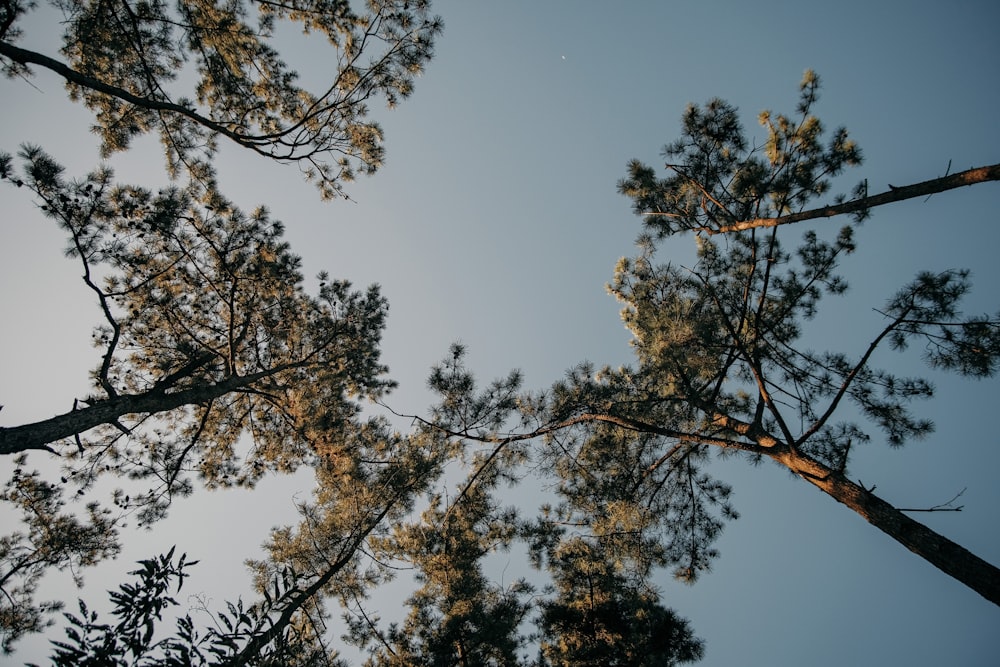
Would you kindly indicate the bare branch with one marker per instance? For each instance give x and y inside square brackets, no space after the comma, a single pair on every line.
[943,507]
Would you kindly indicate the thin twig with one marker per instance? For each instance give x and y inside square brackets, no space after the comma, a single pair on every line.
[943,507]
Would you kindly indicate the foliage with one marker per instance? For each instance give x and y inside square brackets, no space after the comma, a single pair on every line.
[456,616]
[49,537]
[194,71]
[363,488]
[206,326]
[218,368]
[644,496]
[604,613]
[369,484]
[722,357]
[723,360]
[723,338]
[139,608]
[216,365]
[717,177]
[587,532]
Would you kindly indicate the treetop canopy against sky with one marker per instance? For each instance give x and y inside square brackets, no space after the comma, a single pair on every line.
[129,65]
[494,220]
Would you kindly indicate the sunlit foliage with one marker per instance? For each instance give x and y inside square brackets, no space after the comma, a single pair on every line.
[194,71]
[724,362]
[457,616]
[722,352]
[216,367]
[50,536]
[719,177]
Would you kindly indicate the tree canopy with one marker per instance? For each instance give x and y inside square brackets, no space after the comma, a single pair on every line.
[723,359]
[218,365]
[216,369]
[718,183]
[196,71]
[723,341]
[215,362]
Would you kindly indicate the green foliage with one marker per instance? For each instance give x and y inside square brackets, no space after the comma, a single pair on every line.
[130,63]
[642,495]
[722,362]
[207,322]
[928,308]
[719,178]
[138,606]
[603,614]
[457,616]
[721,345]
[463,408]
[724,340]
[724,337]
[50,537]
[216,366]
[135,639]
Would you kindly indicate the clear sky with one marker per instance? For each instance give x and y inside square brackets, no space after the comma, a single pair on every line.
[496,222]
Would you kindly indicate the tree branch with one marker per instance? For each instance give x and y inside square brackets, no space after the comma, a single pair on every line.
[961,179]
[39,434]
[943,507]
[951,558]
[258,642]
[848,380]
[26,57]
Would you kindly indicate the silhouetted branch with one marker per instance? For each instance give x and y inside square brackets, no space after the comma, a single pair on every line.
[943,507]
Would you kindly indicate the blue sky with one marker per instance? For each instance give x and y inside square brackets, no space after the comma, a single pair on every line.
[496,222]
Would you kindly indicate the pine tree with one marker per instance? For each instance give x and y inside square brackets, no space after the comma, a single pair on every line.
[457,616]
[193,72]
[721,357]
[718,185]
[216,366]
[722,360]
[49,536]
[604,614]
[600,545]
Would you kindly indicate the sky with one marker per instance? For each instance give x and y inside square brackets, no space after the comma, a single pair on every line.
[496,222]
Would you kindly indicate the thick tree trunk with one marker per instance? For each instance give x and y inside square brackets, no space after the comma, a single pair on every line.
[936,549]
[39,435]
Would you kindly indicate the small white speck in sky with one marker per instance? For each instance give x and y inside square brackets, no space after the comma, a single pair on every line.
[564,57]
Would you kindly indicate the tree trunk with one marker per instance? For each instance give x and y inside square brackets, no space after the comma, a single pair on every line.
[951,558]
[260,640]
[39,435]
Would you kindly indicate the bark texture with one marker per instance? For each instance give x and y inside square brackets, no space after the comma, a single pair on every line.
[39,435]
[947,556]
